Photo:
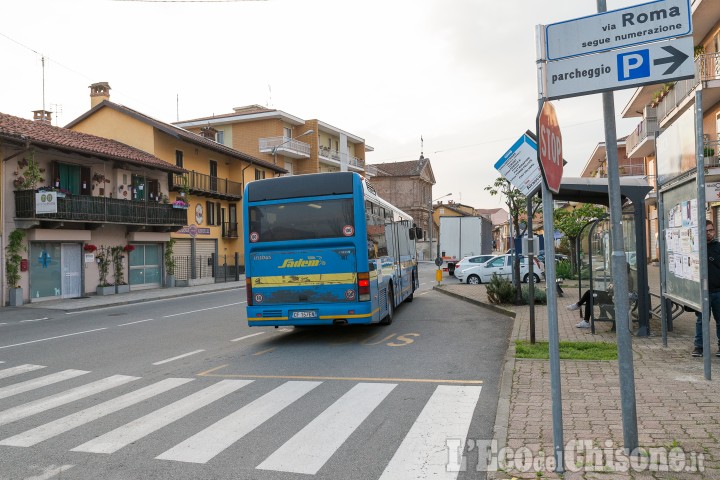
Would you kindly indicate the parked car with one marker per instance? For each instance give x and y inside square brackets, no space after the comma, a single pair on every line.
[471,261]
[500,265]
[558,257]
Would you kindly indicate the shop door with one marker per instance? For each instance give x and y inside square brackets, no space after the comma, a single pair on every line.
[145,265]
[71,264]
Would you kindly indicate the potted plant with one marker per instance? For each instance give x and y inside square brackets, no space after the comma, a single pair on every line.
[31,176]
[709,154]
[180,204]
[103,258]
[169,263]
[118,258]
[13,250]
[185,188]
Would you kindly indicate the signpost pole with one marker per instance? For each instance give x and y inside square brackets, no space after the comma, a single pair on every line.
[701,206]
[620,275]
[531,265]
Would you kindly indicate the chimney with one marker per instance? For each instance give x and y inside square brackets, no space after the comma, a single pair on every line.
[209,132]
[42,116]
[98,92]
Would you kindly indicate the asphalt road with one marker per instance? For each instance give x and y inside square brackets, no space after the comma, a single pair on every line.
[184,389]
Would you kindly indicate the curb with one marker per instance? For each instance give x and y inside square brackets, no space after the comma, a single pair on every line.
[494,308]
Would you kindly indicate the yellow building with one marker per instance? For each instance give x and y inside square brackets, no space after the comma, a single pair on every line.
[212,186]
[297,145]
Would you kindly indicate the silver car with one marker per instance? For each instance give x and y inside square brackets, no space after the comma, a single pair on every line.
[500,265]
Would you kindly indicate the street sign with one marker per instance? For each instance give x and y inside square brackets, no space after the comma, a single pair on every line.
[634,25]
[660,62]
[519,165]
[550,147]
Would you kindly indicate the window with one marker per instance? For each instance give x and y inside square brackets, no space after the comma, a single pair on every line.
[287,132]
[213,175]
[210,207]
[302,220]
[220,137]
[178,158]
[73,178]
[259,174]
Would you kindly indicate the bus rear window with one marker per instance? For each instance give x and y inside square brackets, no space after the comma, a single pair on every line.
[301,220]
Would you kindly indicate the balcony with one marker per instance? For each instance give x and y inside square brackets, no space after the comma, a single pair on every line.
[641,142]
[230,229]
[707,74]
[287,147]
[99,210]
[630,170]
[206,185]
[334,158]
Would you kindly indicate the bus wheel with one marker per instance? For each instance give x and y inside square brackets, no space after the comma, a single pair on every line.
[390,307]
[414,287]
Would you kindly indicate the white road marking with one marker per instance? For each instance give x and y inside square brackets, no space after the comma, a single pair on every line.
[423,453]
[4,323]
[35,320]
[62,425]
[204,445]
[9,372]
[28,385]
[311,447]
[22,411]
[202,310]
[424,293]
[247,336]
[145,302]
[137,429]
[52,338]
[178,357]
[133,323]
[50,472]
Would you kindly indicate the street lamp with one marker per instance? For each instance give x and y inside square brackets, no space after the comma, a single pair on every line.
[430,226]
[275,148]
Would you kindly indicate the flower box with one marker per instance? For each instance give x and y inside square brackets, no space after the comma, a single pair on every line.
[109,290]
[122,288]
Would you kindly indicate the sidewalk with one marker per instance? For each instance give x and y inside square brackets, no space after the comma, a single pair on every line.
[676,406]
[99,301]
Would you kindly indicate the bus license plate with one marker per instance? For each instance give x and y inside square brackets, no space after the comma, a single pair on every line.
[305,314]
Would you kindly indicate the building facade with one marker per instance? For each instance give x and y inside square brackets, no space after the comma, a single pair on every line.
[297,145]
[211,183]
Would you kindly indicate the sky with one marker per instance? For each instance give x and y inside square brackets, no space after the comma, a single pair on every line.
[460,74]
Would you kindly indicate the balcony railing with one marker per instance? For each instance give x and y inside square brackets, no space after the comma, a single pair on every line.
[337,156]
[85,208]
[644,130]
[707,68]
[230,229]
[201,184]
[633,170]
[286,146]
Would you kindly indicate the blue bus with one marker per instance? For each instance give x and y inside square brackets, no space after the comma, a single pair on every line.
[324,249]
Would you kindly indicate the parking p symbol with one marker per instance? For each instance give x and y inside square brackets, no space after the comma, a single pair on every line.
[632,65]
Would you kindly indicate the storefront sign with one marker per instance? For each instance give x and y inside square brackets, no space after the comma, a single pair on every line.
[194,230]
[89,258]
[45,202]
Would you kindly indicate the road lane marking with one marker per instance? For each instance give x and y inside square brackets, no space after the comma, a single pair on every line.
[34,320]
[52,338]
[145,302]
[423,453]
[210,373]
[247,336]
[265,351]
[133,323]
[203,310]
[308,450]
[178,357]
[424,293]
[137,429]
[62,425]
[39,382]
[22,411]
[208,443]
[9,372]
[50,472]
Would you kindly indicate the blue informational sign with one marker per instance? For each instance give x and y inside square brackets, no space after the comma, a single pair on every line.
[520,167]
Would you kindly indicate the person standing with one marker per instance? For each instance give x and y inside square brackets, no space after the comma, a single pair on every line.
[713,266]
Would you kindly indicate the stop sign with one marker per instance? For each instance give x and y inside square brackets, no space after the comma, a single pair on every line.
[550,147]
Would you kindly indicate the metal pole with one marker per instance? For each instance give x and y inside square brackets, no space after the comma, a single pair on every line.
[553,335]
[531,274]
[663,262]
[701,235]
[620,279]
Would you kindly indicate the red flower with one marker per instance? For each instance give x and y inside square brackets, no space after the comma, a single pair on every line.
[89,248]
[129,248]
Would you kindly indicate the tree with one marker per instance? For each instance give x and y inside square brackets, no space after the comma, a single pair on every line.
[517,206]
[571,221]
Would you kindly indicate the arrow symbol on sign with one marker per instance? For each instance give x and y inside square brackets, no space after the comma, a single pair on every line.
[677,58]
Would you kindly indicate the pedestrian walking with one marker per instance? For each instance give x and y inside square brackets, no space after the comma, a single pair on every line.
[713,266]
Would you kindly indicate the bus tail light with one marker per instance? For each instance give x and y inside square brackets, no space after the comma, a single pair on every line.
[248,290]
[364,286]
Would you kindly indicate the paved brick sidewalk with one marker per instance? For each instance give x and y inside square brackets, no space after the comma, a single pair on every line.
[676,406]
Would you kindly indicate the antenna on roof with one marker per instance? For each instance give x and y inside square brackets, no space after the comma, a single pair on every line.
[58,110]
[177,107]
[269,100]
[42,59]
[421,146]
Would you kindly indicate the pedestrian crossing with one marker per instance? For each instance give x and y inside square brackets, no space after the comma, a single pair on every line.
[423,452]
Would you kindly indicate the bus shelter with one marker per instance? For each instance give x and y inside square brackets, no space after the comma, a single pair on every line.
[634,190]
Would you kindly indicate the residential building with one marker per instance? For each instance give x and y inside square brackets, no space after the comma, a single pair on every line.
[297,145]
[212,181]
[73,194]
[666,117]
[408,186]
